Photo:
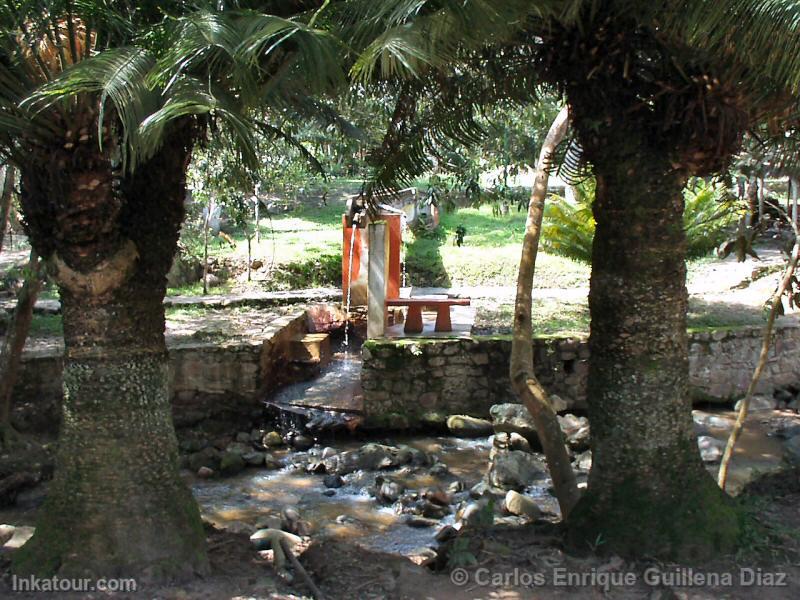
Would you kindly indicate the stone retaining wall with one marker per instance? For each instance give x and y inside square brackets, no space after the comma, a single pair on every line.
[427,379]
[210,379]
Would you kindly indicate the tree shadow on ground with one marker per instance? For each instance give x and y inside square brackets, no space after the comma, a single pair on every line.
[424,265]
[708,314]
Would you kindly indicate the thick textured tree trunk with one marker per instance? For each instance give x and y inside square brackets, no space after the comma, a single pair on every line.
[523,378]
[116,506]
[648,493]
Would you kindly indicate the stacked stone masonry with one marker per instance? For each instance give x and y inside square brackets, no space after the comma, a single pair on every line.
[423,380]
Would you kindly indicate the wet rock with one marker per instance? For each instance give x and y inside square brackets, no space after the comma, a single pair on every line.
[708,421]
[302,528]
[272,463]
[205,473]
[238,448]
[327,452]
[523,506]
[788,431]
[6,533]
[514,470]
[438,470]
[455,487]
[256,436]
[434,511]
[231,463]
[329,493]
[791,450]
[333,481]
[576,431]
[412,456]
[583,461]
[207,457]
[243,437]
[510,441]
[758,404]
[513,418]
[316,467]
[475,514]
[290,516]
[370,457]
[711,449]
[420,522]
[437,496]
[272,439]
[558,403]
[479,490]
[345,519]
[448,532]
[388,492]
[466,426]
[301,442]
[254,458]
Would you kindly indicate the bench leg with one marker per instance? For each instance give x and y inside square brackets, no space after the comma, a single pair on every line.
[443,318]
[413,320]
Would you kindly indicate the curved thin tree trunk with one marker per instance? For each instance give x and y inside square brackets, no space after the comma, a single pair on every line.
[785,283]
[523,378]
[14,342]
[117,505]
[648,493]
[6,194]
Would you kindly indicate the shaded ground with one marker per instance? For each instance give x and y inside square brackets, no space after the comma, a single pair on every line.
[507,563]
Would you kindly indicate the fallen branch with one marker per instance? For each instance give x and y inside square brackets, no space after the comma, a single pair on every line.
[523,379]
[744,406]
[300,569]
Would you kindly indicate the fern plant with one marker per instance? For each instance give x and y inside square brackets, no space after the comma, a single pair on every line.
[568,228]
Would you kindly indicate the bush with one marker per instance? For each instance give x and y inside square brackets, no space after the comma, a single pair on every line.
[568,228]
[323,270]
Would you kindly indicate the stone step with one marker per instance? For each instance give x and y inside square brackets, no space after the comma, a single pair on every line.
[310,348]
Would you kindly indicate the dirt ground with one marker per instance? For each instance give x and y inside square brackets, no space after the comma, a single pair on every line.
[506,564]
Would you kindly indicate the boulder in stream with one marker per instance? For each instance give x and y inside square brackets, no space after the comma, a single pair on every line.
[370,457]
[272,439]
[231,463]
[523,506]
[514,470]
[513,418]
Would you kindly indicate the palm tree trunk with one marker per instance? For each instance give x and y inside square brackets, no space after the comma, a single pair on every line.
[523,378]
[116,505]
[14,342]
[648,493]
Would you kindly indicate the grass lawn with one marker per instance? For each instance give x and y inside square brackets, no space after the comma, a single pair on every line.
[489,256]
[304,248]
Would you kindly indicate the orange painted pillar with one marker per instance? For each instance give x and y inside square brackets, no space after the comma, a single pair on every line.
[393,283]
[350,271]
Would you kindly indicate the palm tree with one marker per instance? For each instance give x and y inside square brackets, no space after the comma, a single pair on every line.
[100,106]
[657,92]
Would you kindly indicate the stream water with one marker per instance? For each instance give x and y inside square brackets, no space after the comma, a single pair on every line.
[352,511]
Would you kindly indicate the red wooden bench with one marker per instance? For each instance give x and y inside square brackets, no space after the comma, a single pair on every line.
[417,303]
